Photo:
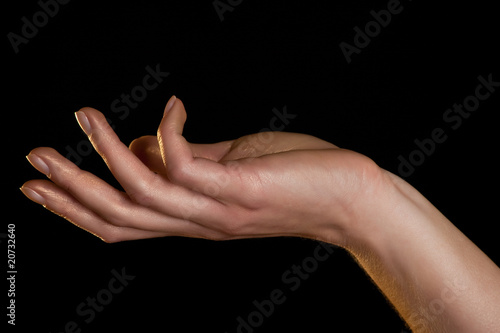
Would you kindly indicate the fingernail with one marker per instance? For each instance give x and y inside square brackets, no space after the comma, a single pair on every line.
[83,121]
[38,163]
[33,195]
[170,103]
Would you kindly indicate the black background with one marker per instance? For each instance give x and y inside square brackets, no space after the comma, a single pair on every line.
[231,74]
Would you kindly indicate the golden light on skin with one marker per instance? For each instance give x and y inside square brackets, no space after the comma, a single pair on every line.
[83,122]
[36,197]
[79,226]
[38,164]
[33,195]
[406,246]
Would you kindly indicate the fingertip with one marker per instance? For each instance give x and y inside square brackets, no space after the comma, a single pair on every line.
[173,146]
[176,117]
[42,151]
[170,104]
[83,121]
[29,190]
[89,113]
[134,144]
[90,117]
[147,149]
[143,142]
[88,109]
[144,146]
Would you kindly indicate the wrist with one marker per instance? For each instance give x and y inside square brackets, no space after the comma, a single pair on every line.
[388,211]
[372,195]
[423,264]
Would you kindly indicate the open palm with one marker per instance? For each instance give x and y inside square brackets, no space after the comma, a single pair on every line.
[260,185]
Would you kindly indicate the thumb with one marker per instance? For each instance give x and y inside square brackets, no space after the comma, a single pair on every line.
[200,174]
[170,139]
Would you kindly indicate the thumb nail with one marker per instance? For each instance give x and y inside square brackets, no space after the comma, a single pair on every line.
[170,103]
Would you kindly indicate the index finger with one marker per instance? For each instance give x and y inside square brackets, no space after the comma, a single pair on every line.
[141,184]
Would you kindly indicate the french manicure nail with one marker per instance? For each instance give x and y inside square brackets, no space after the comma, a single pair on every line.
[83,121]
[38,163]
[33,195]
[170,103]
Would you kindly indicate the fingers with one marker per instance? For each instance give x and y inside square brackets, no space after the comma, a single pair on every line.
[130,172]
[190,165]
[181,203]
[113,206]
[147,149]
[212,151]
[141,184]
[60,202]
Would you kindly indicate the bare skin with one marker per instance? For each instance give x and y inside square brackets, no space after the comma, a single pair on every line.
[278,184]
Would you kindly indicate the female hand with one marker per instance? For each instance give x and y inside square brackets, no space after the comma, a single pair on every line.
[277,184]
[261,185]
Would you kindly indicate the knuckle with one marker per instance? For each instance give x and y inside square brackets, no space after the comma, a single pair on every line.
[179,173]
[117,214]
[143,193]
[142,197]
[116,219]
[120,215]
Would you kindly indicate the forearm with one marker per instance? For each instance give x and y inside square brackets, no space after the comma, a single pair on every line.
[435,277]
